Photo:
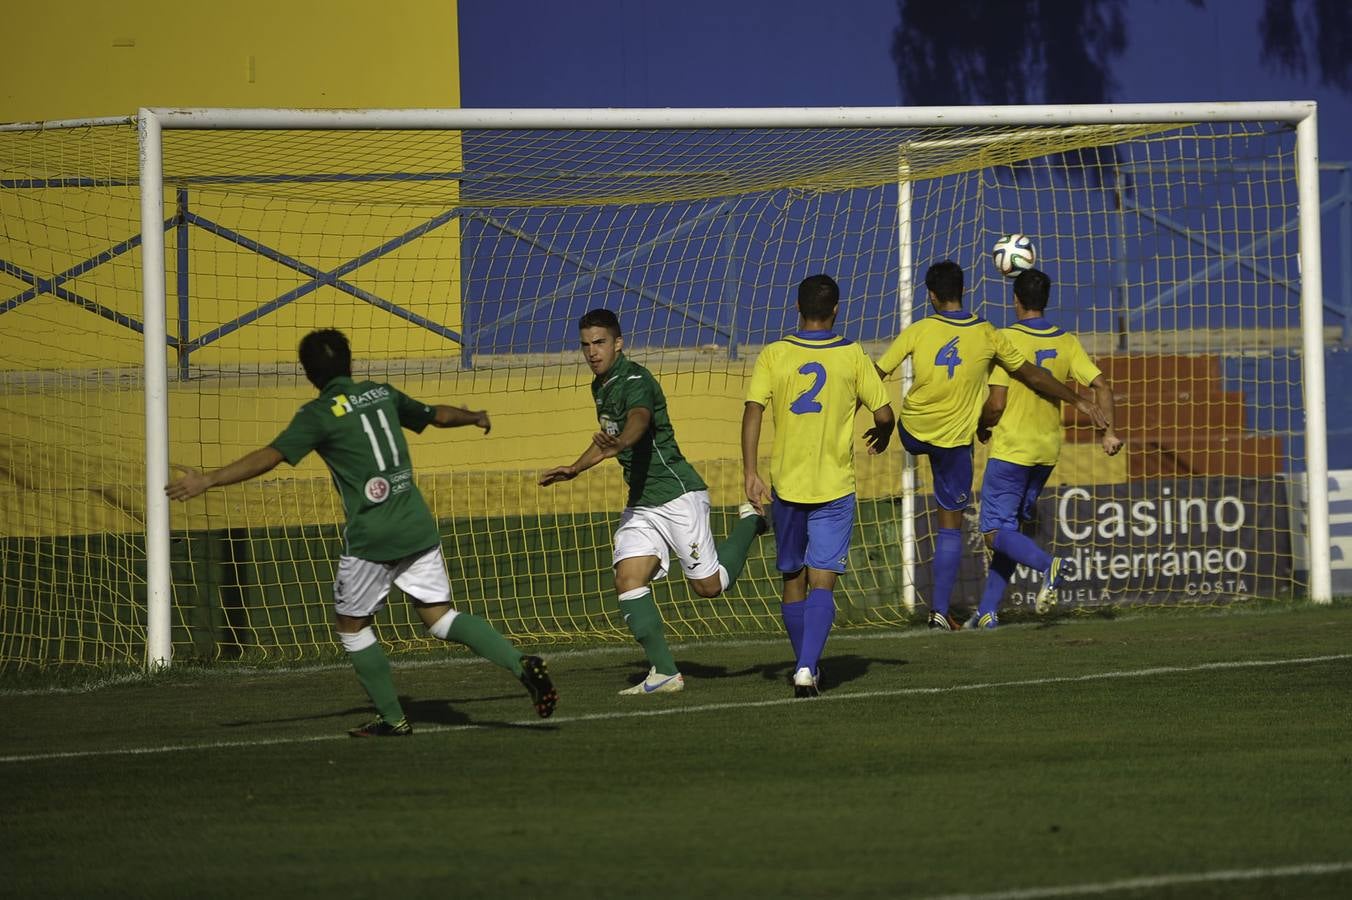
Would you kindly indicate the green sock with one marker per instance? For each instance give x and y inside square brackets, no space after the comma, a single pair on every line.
[373,671]
[483,639]
[643,619]
[732,552]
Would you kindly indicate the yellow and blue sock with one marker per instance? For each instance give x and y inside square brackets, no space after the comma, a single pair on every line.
[997,579]
[1022,549]
[947,558]
[819,613]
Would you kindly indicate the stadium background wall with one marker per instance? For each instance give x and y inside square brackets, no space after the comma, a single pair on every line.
[117,58]
[293,509]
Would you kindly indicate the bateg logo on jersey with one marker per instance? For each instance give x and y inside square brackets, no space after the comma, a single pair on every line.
[377,490]
[346,403]
[609,425]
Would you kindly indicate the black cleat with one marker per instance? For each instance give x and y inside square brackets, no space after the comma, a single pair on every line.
[378,727]
[535,676]
[943,622]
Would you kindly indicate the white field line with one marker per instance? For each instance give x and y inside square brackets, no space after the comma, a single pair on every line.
[1158,881]
[617,649]
[702,708]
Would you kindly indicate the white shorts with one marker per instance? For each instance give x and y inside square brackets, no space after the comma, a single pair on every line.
[682,524]
[361,586]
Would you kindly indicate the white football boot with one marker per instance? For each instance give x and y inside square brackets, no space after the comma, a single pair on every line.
[804,683]
[657,684]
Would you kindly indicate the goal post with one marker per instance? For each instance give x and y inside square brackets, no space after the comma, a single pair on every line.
[457,248]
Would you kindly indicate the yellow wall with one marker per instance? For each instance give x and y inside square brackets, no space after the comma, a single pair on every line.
[111,59]
[66,470]
[71,446]
[92,58]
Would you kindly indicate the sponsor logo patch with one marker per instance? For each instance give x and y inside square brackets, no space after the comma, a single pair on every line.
[377,490]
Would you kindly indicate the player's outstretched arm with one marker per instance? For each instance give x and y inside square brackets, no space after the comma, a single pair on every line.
[884,423]
[590,457]
[1040,380]
[603,447]
[756,490]
[455,417]
[194,481]
[1103,394]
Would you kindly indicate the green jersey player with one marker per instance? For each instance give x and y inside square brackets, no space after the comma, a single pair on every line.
[390,536]
[668,505]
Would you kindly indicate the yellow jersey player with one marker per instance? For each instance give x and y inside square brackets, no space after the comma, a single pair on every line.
[1027,443]
[813,381]
[952,353]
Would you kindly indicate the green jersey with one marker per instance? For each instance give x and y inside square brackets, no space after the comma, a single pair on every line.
[355,429]
[654,468]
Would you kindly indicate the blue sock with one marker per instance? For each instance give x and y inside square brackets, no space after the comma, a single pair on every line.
[792,613]
[1022,549]
[947,557]
[1002,569]
[818,614]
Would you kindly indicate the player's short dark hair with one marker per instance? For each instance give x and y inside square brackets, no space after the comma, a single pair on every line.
[325,355]
[1033,288]
[818,296]
[944,280]
[601,318]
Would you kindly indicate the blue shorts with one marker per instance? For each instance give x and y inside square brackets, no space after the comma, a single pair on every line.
[817,534]
[1009,493]
[950,466]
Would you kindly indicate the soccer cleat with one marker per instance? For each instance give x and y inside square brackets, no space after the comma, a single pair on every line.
[1046,595]
[535,676]
[378,727]
[943,622]
[746,511]
[804,683]
[988,621]
[657,684]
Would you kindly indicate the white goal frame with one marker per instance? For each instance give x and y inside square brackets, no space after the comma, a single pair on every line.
[151,122]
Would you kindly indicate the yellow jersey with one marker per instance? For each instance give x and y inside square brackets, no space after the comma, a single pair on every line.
[951,357]
[1029,431]
[812,382]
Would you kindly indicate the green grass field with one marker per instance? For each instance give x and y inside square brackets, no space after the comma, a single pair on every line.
[1178,755]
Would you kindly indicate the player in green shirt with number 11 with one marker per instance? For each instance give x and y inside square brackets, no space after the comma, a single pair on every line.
[390,536]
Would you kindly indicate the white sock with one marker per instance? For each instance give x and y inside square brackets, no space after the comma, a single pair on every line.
[723,578]
[358,640]
[634,594]
[441,629]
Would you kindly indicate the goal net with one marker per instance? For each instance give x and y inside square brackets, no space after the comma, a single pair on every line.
[458,261]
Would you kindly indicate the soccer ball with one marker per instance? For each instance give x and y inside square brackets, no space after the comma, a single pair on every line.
[1013,253]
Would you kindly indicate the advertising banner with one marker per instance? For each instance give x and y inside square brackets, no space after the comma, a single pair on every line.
[1185,540]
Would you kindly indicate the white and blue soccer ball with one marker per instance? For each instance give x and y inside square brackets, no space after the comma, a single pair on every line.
[1013,253]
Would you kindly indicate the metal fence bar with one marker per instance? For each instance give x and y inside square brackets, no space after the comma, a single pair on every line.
[181,239]
[320,277]
[52,286]
[600,270]
[594,273]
